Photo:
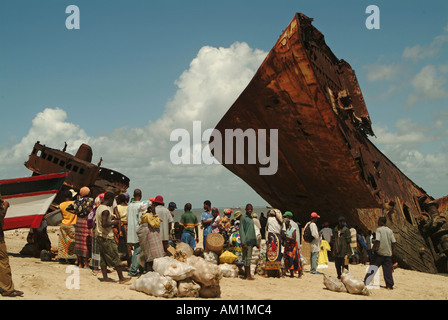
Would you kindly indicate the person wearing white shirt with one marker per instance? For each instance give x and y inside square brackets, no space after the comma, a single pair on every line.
[383,247]
[327,234]
[315,244]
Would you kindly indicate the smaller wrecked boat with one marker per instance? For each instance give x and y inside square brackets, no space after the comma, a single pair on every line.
[81,171]
[29,199]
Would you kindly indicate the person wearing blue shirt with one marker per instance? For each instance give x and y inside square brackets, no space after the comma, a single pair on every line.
[207,219]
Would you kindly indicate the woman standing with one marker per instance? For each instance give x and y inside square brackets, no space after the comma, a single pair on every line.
[216,220]
[235,240]
[82,207]
[149,238]
[66,241]
[274,244]
[292,254]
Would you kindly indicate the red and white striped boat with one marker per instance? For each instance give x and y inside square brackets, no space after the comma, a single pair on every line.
[29,199]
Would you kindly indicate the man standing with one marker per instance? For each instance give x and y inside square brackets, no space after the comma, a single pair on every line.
[171,207]
[248,239]
[341,245]
[166,220]
[188,220]
[315,244]
[383,247]
[6,284]
[105,239]
[288,214]
[206,219]
[133,216]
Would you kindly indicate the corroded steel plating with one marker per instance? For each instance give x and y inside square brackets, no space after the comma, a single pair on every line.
[326,162]
[45,160]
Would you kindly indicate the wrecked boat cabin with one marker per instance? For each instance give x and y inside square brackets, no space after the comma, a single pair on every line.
[82,172]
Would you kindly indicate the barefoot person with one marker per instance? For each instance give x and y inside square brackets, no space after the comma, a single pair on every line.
[248,239]
[105,238]
[6,284]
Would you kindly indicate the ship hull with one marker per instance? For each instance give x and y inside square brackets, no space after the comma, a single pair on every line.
[29,199]
[326,162]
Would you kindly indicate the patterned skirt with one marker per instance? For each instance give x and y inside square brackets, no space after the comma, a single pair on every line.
[273,252]
[150,242]
[235,245]
[66,243]
[292,257]
[83,238]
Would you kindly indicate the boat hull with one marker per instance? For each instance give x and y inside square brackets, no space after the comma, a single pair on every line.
[326,162]
[29,199]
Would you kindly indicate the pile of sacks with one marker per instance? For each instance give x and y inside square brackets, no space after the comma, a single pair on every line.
[348,283]
[227,261]
[192,277]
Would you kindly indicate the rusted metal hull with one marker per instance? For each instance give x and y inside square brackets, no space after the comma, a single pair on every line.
[45,160]
[326,163]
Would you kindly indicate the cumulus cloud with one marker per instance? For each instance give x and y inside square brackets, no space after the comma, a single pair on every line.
[428,84]
[213,81]
[408,133]
[419,52]
[51,128]
[383,72]
[411,147]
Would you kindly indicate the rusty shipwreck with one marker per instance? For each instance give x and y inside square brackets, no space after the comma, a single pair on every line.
[81,171]
[326,162]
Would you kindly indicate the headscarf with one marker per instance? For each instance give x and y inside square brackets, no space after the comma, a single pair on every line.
[228,211]
[278,214]
[84,191]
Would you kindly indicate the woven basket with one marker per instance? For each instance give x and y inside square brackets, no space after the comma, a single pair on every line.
[215,242]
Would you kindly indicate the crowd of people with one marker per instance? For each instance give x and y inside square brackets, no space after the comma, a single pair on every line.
[127,234]
[348,245]
[119,232]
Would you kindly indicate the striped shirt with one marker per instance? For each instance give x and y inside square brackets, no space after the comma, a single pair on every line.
[188,220]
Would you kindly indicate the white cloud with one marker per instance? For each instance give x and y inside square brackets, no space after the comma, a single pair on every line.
[419,52]
[409,148]
[383,72]
[428,84]
[407,133]
[51,128]
[206,90]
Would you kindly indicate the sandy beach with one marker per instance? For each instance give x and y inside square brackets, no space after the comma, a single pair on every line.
[47,281]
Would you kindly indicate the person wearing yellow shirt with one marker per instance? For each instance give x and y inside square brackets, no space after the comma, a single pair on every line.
[66,241]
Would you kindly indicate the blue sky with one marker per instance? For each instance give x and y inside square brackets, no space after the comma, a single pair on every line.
[131,68]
